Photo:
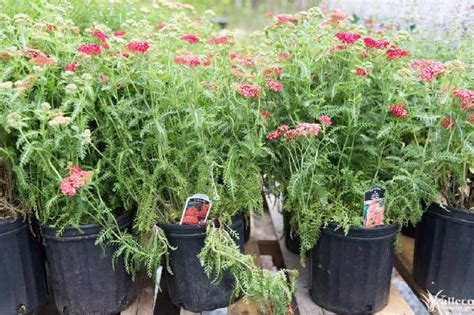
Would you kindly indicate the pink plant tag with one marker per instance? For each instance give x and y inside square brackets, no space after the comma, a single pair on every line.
[374,207]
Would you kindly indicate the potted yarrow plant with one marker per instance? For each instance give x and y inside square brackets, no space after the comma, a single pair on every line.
[23,285]
[445,236]
[51,117]
[338,133]
[194,126]
[140,118]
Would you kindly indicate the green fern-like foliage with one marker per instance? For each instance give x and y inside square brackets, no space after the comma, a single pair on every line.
[273,293]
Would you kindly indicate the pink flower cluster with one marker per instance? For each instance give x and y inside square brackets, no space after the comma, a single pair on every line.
[301,130]
[325,120]
[375,43]
[190,38]
[90,49]
[274,85]
[248,90]
[77,179]
[466,97]
[397,53]
[138,46]
[399,110]
[192,60]
[428,69]
[348,38]
[218,40]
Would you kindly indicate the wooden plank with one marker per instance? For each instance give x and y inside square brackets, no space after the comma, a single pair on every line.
[396,305]
[143,304]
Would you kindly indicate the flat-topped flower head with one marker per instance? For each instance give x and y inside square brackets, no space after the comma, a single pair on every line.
[274,85]
[218,40]
[397,53]
[138,46]
[348,38]
[90,49]
[428,69]
[375,43]
[466,97]
[190,38]
[399,110]
[361,72]
[248,90]
[325,120]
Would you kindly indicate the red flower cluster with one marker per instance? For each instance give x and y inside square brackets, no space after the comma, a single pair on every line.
[285,18]
[325,120]
[375,43]
[72,66]
[101,36]
[218,40]
[265,113]
[397,53]
[448,122]
[248,90]
[399,110]
[77,179]
[50,27]
[274,85]
[192,60]
[90,49]
[348,38]
[190,38]
[119,33]
[361,72]
[337,48]
[301,130]
[428,69]
[138,46]
[466,97]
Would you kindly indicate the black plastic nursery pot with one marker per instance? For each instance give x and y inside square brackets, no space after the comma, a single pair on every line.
[444,252]
[22,283]
[189,287]
[292,241]
[83,278]
[350,274]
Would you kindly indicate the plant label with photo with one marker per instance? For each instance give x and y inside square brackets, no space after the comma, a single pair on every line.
[196,210]
[374,207]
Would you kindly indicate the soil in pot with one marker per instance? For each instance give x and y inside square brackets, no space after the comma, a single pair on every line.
[292,240]
[189,287]
[23,283]
[83,277]
[350,274]
[444,252]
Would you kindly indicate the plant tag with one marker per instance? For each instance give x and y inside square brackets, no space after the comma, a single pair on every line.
[196,210]
[374,206]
